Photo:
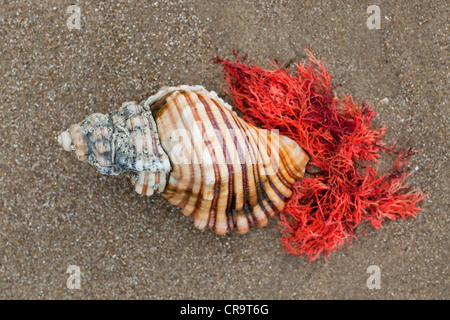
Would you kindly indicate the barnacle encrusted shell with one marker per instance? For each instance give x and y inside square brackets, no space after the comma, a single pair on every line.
[222,171]
[123,141]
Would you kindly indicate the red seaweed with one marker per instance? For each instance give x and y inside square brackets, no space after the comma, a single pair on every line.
[345,188]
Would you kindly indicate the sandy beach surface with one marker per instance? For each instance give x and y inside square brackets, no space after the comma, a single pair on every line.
[56,212]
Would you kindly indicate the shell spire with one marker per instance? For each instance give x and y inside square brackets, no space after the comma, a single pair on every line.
[123,141]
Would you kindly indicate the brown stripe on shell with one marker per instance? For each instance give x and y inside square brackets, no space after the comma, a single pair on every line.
[278,182]
[144,186]
[204,216]
[259,205]
[242,148]
[245,191]
[277,186]
[256,160]
[179,104]
[166,126]
[159,106]
[197,189]
[215,143]
[243,129]
[248,169]
[230,203]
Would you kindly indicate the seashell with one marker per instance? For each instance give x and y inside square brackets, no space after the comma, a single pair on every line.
[189,145]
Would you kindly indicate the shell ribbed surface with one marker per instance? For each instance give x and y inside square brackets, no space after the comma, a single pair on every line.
[226,173]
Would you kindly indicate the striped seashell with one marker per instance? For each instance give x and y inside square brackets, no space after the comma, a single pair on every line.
[188,144]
